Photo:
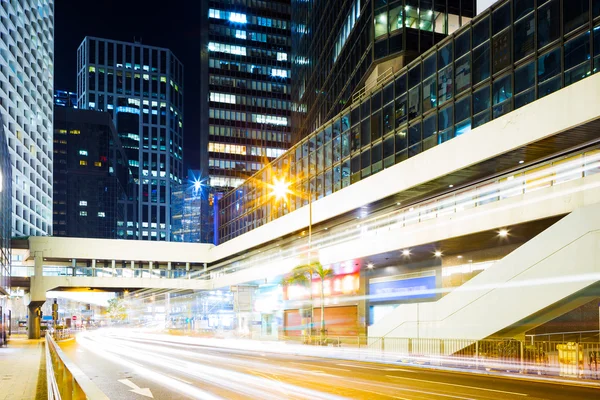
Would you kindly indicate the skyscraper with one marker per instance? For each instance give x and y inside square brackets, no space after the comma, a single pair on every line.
[62,98]
[142,88]
[26,80]
[245,87]
[91,175]
[340,51]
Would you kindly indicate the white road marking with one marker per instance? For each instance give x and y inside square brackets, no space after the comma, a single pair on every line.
[320,366]
[179,379]
[377,369]
[136,389]
[457,385]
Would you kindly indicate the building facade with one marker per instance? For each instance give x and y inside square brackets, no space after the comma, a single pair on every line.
[186,207]
[63,98]
[245,87]
[26,94]
[5,212]
[91,175]
[507,57]
[339,50]
[141,87]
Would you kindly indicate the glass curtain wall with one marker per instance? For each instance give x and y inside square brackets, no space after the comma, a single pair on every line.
[507,57]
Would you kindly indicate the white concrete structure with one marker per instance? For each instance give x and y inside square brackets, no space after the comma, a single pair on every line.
[26,101]
[559,262]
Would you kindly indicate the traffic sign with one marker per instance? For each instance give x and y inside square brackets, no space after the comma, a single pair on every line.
[74,318]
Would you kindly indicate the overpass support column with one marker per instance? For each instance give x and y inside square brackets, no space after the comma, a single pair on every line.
[150,265]
[37,297]
[187,269]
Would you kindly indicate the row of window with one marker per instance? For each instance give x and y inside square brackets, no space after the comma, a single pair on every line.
[234,165]
[240,18]
[244,34]
[249,84]
[249,101]
[227,131]
[241,116]
[250,52]
[101,214]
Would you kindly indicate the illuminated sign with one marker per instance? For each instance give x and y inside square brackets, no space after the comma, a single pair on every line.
[347,284]
[403,287]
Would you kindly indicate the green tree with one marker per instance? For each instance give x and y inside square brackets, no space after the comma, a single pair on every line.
[303,275]
[117,311]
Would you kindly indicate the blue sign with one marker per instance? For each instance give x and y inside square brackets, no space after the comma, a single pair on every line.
[402,289]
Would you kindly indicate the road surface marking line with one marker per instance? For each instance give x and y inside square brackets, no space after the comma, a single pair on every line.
[377,369]
[457,385]
[179,379]
[256,358]
[383,394]
[320,366]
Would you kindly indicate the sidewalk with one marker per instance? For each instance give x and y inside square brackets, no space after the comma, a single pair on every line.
[21,374]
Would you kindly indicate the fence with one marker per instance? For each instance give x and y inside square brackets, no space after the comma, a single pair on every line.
[62,334]
[65,380]
[553,358]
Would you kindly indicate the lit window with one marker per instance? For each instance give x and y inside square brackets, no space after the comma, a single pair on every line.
[226,48]
[237,17]
[101,214]
[279,72]
[281,56]
[97,164]
[222,98]
[83,152]
[82,203]
[240,34]
[92,69]
[75,132]
[82,162]
[83,213]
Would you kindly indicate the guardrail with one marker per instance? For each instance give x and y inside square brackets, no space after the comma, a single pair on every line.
[551,358]
[62,334]
[65,380]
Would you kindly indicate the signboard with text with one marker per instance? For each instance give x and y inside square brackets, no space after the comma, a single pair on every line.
[402,287]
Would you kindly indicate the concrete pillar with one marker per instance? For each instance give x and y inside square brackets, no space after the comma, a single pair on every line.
[93,263]
[187,266]
[150,265]
[33,320]
[113,263]
[132,264]
[169,265]
[362,306]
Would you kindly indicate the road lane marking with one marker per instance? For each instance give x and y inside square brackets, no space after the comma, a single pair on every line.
[383,394]
[256,358]
[457,385]
[320,366]
[179,379]
[377,369]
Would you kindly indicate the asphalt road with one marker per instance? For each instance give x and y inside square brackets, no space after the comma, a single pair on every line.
[167,367]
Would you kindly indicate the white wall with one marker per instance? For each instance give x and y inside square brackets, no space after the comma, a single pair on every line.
[483,5]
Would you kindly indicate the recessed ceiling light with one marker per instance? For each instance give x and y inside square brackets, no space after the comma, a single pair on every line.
[450,186]
[521,162]
[370,265]
[503,233]
[438,253]
[406,252]
[459,256]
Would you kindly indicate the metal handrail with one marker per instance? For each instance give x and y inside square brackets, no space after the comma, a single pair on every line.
[65,380]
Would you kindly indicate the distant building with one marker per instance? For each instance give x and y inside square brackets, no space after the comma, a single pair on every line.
[245,88]
[26,89]
[63,98]
[91,175]
[187,221]
[142,89]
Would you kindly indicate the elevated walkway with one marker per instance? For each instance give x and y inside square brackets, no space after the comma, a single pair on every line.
[539,278]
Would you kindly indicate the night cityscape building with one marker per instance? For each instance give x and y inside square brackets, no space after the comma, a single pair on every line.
[186,211]
[63,98]
[26,96]
[339,51]
[142,89]
[476,75]
[91,175]
[245,87]
[5,227]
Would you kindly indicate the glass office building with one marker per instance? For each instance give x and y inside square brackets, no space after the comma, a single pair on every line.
[508,56]
[142,89]
[91,175]
[63,98]
[245,87]
[26,95]
[186,205]
[339,49]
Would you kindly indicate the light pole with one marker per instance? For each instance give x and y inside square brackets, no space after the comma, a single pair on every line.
[280,189]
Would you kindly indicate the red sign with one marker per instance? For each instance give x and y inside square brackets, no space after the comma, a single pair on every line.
[74,318]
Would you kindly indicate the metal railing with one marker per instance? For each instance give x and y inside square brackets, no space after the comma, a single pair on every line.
[91,272]
[65,380]
[62,334]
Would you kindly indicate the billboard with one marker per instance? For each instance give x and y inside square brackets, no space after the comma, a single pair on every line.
[421,285]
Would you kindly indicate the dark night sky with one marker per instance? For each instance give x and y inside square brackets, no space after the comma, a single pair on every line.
[173,24]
